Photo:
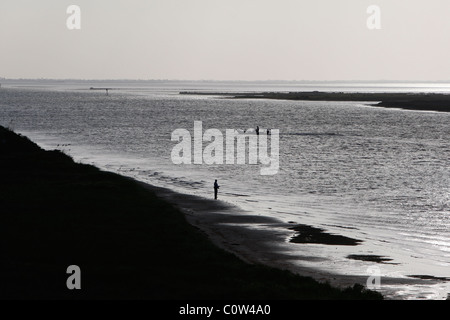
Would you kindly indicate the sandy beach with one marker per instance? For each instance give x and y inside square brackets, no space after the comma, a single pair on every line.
[253,239]
[59,213]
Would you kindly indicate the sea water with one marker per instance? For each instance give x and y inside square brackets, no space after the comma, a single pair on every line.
[378,175]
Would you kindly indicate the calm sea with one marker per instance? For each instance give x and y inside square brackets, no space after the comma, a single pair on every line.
[379,175]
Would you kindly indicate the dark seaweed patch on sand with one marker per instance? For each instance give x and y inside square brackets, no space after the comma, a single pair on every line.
[426,277]
[369,257]
[308,234]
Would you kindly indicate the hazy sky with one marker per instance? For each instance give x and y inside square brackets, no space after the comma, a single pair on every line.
[226,40]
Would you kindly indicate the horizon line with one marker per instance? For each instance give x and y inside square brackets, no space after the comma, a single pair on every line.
[221,80]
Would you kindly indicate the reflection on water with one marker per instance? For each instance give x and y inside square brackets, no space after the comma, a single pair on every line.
[373,174]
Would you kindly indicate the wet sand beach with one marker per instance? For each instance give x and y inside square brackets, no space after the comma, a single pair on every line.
[264,240]
[130,241]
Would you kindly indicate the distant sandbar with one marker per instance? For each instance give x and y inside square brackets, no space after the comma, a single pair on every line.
[411,101]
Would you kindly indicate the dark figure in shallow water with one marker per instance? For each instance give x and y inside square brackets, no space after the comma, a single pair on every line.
[216,188]
[268,132]
[257,130]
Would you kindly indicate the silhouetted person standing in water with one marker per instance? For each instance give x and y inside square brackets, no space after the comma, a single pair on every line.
[216,188]
[257,130]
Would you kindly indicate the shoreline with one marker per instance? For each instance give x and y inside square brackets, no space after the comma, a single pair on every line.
[58,213]
[236,231]
[261,240]
[407,101]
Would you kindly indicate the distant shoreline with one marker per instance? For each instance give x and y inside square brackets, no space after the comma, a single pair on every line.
[409,101]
